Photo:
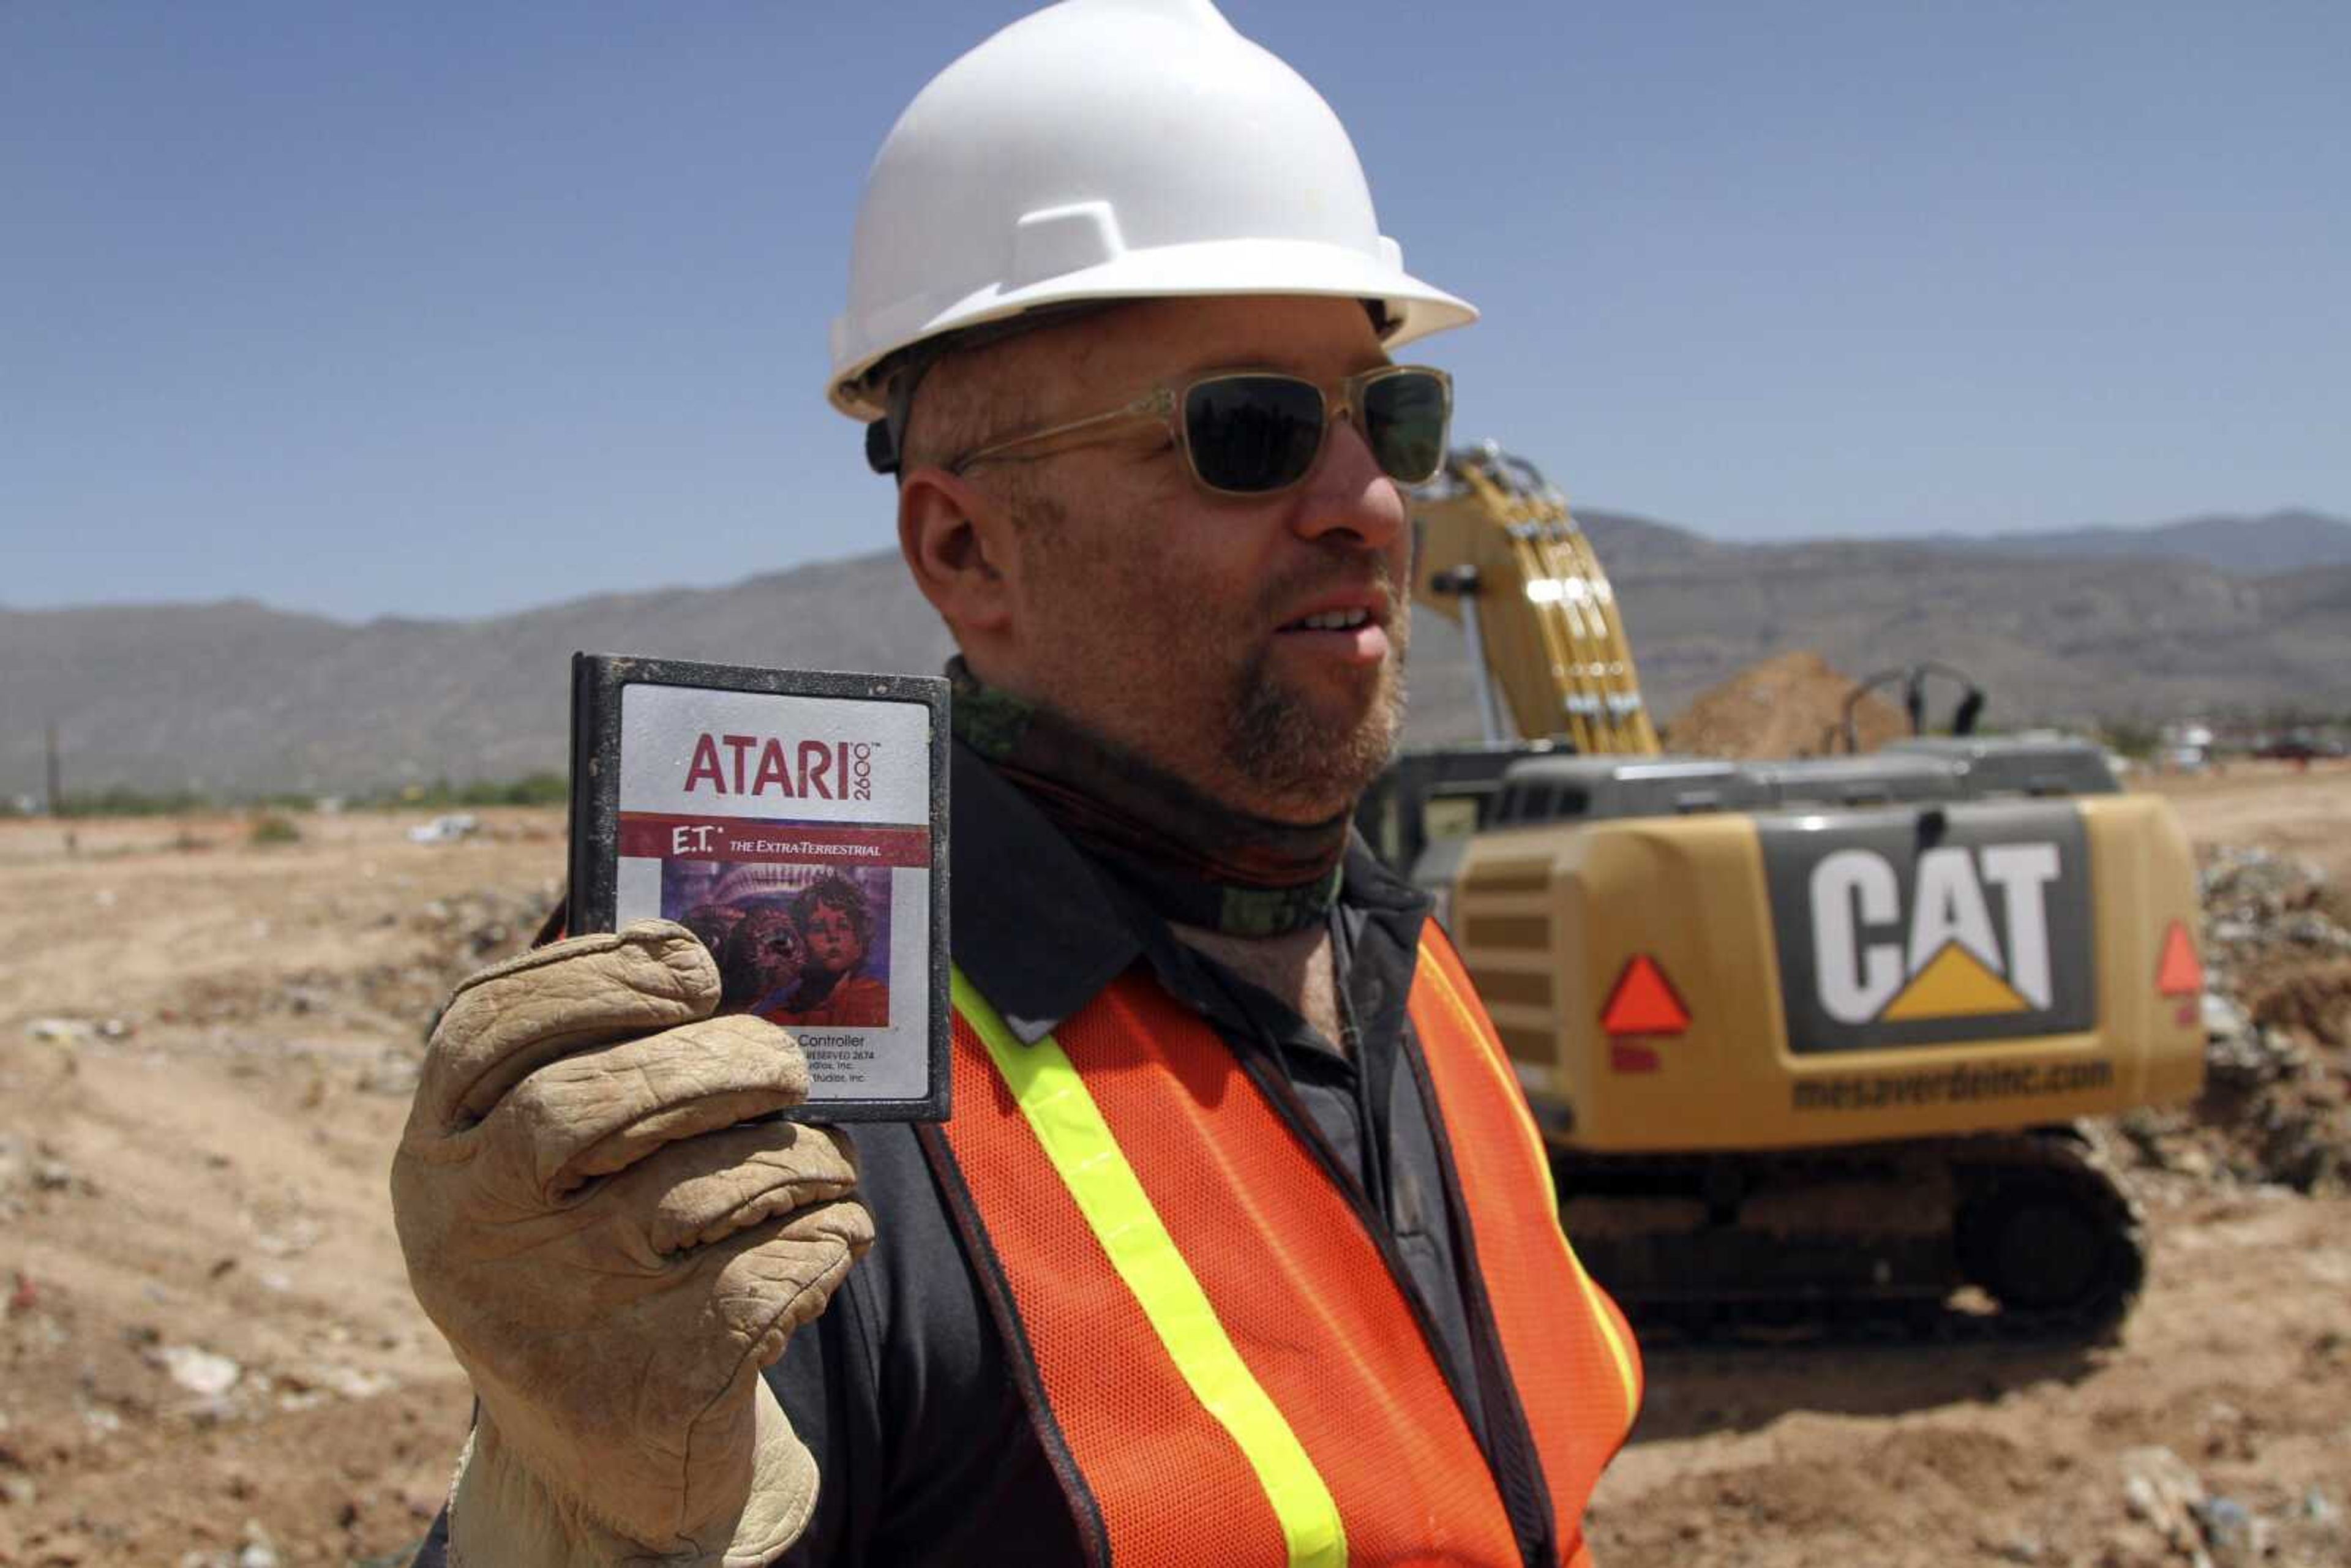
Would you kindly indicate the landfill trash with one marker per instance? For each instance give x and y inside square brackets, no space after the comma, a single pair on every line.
[445,830]
[2223,1019]
[2232,1531]
[2161,1490]
[2276,1107]
[200,1372]
[258,1550]
[2258,886]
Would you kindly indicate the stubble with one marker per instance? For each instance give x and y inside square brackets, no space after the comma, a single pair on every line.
[1291,751]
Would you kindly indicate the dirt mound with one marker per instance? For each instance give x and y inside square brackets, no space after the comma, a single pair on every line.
[2313,1002]
[1788,705]
[2276,1105]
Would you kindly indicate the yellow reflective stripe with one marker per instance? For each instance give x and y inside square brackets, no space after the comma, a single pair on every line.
[1509,1083]
[1061,1111]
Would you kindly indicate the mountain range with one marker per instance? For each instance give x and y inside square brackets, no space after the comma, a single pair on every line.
[2208,615]
[2286,540]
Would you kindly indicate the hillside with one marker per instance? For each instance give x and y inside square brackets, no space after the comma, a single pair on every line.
[2280,541]
[2053,640]
[236,697]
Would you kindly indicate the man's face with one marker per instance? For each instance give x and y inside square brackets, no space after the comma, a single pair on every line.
[1172,621]
[833,947]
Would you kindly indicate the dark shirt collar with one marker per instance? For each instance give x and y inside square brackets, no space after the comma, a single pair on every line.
[1040,929]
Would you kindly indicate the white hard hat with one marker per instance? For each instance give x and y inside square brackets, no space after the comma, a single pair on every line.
[1108,149]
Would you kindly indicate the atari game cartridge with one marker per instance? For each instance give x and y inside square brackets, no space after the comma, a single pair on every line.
[796,821]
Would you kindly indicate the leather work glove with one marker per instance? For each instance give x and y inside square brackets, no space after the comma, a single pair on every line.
[614,1251]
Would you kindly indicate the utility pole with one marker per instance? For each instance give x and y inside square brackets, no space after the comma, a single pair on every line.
[57,791]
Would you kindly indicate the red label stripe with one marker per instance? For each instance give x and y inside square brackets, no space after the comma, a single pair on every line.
[651,835]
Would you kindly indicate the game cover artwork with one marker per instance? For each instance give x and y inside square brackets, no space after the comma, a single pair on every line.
[802,943]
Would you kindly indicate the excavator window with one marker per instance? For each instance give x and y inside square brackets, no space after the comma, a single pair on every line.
[1541,802]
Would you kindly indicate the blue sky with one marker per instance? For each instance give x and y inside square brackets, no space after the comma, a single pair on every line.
[443,308]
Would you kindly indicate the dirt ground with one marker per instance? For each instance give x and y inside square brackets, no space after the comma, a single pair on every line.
[2303,809]
[211,1357]
[207,1048]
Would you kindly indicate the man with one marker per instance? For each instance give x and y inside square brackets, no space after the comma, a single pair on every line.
[1239,1246]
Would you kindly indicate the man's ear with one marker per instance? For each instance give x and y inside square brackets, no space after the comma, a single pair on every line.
[963,551]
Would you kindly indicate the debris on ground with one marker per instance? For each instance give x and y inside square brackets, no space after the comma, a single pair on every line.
[2163,1492]
[210,1180]
[76,1032]
[2276,1106]
[200,1372]
[445,830]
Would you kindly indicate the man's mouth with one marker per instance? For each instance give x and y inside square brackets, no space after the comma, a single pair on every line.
[1346,634]
[1331,621]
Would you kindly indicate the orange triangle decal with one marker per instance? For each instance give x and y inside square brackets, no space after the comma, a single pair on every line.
[1954,984]
[2180,974]
[1644,1002]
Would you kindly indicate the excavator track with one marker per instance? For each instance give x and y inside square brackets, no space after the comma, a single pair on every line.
[2021,1237]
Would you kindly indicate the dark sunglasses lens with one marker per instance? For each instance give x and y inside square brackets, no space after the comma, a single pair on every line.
[1405,417]
[1249,433]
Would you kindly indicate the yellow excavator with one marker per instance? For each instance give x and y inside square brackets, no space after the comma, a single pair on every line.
[1813,1042]
[1489,529]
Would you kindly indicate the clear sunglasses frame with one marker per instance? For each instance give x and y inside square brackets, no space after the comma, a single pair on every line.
[1165,404]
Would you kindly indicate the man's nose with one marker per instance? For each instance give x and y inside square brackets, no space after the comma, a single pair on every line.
[1347,493]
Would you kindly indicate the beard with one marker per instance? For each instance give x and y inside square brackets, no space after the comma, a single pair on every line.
[1303,753]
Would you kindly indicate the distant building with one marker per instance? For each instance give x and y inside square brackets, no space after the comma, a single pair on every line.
[2186,745]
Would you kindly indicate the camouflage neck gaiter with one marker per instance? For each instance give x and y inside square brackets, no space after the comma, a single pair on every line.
[1199,862]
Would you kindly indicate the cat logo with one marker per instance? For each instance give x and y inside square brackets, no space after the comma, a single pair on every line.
[1947,960]
[1894,934]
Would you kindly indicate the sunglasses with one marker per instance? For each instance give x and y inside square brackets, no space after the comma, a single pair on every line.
[1254,433]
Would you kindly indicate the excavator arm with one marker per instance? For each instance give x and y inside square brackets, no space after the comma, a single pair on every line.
[1500,555]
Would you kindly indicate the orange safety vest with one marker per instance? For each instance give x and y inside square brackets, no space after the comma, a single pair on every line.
[1216,1354]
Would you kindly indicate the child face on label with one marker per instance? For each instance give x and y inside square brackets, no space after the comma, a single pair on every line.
[832,938]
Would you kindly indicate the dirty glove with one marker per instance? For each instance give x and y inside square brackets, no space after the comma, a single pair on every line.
[614,1250]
